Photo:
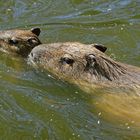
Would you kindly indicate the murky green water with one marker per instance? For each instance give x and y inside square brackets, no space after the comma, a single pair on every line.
[36,106]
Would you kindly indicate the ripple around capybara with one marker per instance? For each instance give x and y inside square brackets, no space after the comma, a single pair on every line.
[85,65]
[92,70]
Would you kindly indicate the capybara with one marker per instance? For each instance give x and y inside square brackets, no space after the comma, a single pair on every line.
[85,65]
[18,41]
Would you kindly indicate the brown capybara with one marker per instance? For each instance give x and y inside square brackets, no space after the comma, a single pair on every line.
[114,87]
[19,41]
[85,65]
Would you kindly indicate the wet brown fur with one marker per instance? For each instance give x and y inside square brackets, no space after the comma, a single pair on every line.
[115,86]
[85,65]
[19,41]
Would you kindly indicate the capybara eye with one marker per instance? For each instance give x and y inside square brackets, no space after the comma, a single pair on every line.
[66,60]
[13,41]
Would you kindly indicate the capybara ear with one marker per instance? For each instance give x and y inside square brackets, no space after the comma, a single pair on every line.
[36,31]
[100,47]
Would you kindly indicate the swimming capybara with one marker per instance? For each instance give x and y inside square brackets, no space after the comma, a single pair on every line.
[85,65]
[18,41]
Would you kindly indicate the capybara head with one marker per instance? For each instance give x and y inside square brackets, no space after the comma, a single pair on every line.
[19,41]
[75,60]
[80,62]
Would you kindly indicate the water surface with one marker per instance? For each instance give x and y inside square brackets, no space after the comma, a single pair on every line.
[34,105]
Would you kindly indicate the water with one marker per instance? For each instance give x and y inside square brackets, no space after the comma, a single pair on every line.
[34,105]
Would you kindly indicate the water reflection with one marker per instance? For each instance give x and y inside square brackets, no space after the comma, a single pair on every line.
[35,105]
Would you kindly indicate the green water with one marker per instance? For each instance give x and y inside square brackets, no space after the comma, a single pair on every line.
[36,106]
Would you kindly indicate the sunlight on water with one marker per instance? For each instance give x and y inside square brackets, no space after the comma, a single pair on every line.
[120,109]
[35,105]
